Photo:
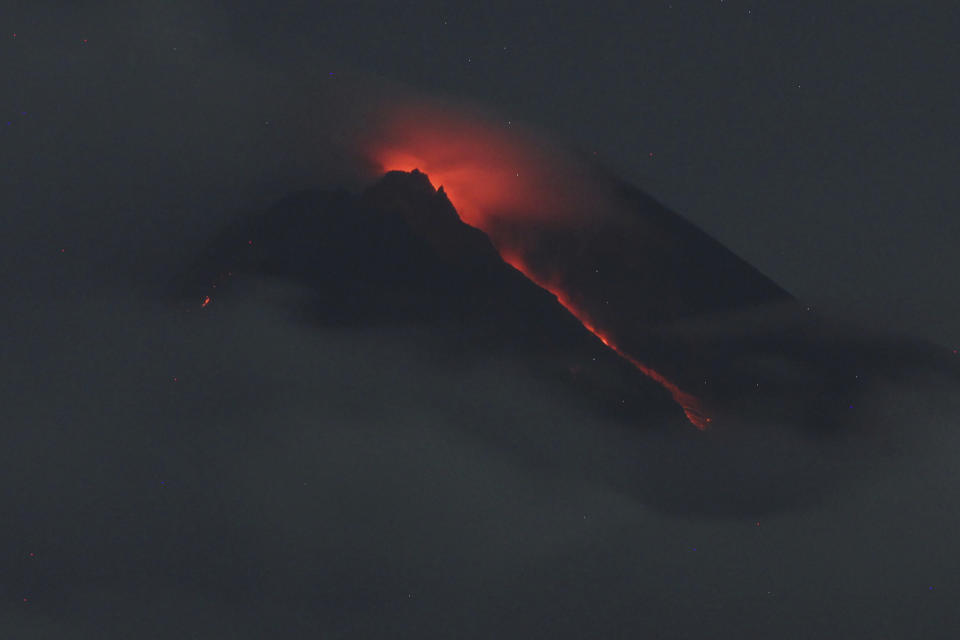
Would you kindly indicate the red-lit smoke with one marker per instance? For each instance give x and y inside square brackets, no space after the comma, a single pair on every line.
[495,173]
[489,170]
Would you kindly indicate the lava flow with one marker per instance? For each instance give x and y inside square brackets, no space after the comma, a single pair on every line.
[691,405]
[483,191]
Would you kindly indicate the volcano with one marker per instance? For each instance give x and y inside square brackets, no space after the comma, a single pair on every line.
[640,309]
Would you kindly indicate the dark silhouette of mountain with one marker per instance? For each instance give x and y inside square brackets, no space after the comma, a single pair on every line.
[395,254]
[727,344]
[399,255]
[650,284]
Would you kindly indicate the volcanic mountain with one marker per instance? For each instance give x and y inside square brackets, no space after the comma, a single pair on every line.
[628,312]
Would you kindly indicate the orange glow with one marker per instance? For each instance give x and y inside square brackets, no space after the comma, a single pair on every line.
[205,302]
[475,190]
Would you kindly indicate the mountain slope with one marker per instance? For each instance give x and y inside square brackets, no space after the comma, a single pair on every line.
[666,300]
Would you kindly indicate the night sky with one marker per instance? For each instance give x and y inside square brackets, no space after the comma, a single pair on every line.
[243,468]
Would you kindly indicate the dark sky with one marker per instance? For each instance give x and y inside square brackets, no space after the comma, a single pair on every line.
[812,138]
[242,474]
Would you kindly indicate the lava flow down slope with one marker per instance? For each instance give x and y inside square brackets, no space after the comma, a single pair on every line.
[616,259]
[516,243]
[668,298]
[397,257]
[399,252]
